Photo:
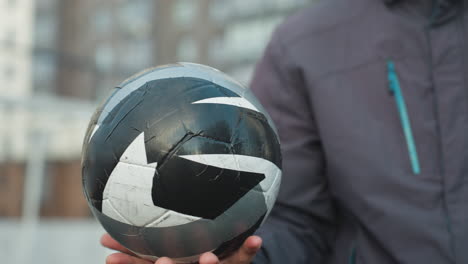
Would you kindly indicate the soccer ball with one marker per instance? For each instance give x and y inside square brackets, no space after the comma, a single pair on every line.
[181,160]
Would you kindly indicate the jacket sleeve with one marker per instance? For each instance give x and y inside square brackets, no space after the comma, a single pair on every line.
[300,227]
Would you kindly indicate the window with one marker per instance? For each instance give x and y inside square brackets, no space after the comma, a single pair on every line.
[136,55]
[103,20]
[45,30]
[104,57]
[187,49]
[184,12]
[44,70]
[9,72]
[135,17]
[9,40]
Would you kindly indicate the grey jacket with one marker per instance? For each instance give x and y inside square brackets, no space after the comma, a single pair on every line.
[371,103]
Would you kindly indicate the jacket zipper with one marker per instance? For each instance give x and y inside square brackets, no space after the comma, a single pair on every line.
[446,212]
[395,90]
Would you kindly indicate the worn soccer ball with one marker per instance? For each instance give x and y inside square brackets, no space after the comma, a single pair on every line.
[181,160]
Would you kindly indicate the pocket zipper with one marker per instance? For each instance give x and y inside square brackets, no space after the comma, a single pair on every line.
[395,90]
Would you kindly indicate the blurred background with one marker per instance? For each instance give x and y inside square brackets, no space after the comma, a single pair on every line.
[58,59]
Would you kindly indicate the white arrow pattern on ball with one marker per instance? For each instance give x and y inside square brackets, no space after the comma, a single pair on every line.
[127,195]
[235,101]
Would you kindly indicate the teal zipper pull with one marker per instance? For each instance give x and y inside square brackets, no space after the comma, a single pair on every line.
[395,90]
[352,256]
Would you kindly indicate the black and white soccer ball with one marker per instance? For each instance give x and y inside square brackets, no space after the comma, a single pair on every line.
[181,160]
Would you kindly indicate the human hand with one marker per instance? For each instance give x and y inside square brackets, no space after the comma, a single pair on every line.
[243,255]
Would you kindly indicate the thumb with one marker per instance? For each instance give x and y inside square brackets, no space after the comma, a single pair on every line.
[247,251]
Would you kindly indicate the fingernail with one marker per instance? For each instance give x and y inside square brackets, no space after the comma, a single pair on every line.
[208,258]
[255,242]
[164,260]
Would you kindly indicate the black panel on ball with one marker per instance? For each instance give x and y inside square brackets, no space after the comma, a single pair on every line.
[195,189]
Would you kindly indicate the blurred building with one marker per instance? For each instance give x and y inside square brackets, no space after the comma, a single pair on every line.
[227,34]
[58,58]
[15,82]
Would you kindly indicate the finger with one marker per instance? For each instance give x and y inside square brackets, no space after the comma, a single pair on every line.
[121,258]
[208,258]
[164,260]
[251,245]
[248,250]
[109,242]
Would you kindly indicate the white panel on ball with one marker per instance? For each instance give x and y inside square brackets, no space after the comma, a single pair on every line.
[235,101]
[172,218]
[130,185]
